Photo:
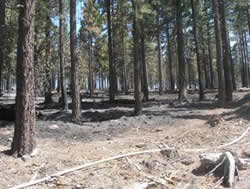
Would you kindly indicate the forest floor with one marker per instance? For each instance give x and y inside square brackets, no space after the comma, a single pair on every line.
[108,130]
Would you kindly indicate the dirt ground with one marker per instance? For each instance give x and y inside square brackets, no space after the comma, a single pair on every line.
[108,130]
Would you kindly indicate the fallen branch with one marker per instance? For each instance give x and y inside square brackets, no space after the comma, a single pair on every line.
[119,157]
[217,166]
[36,173]
[84,166]
[229,169]
[220,146]
[218,183]
[227,160]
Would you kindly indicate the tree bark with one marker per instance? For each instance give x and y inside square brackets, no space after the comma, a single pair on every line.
[75,88]
[61,55]
[244,70]
[159,54]
[2,41]
[144,66]
[112,77]
[225,52]
[219,54]
[211,71]
[90,62]
[170,62]
[231,63]
[48,65]
[24,140]
[137,66]
[205,66]
[201,90]
[180,50]
[248,20]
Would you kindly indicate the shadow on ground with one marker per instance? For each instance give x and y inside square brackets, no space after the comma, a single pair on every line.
[242,109]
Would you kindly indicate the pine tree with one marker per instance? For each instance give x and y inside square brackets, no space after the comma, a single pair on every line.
[219,53]
[137,66]
[180,49]
[75,88]
[2,40]
[24,140]
[61,55]
[194,16]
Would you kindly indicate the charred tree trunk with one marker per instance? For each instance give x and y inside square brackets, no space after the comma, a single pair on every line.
[159,54]
[2,41]
[8,84]
[48,65]
[144,66]
[244,72]
[211,70]
[75,88]
[90,62]
[137,66]
[112,78]
[201,90]
[248,20]
[24,140]
[205,66]
[61,55]
[180,50]
[170,62]
[231,63]
[219,54]
[226,58]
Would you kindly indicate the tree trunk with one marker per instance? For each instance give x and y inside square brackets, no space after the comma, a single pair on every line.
[8,84]
[24,136]
[159,54]
[246,54]
[244,70]
[180,50]
[144,66]
[201,90]
[61,55]
[111,59]
[2,41]
[210,57]
[219,54]
[206,73]
[170,62]
[48,65]
[137,67]
[189,66]
[226,58]
[90,78]
[75,88]
[231,64]
[248,20]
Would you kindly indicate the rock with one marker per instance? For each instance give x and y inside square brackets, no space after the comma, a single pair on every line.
[214,120]
[158,130]
[115,122]
[187,161]
[140,145]
[138,186]
[170,154]
[35,152]
[53,127]
[26,157]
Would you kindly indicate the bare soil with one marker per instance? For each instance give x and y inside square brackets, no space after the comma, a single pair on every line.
[108,130]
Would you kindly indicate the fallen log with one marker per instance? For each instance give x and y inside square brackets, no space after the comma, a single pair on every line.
[230,163]
[28,184]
